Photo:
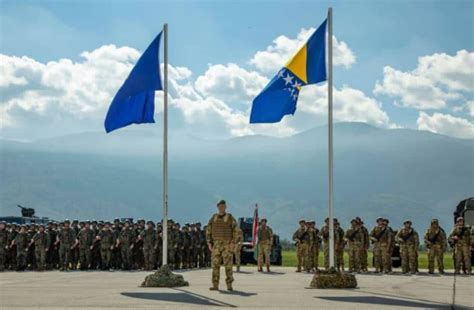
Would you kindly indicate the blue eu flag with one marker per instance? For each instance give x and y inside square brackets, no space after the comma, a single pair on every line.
[134,103]
[279,97]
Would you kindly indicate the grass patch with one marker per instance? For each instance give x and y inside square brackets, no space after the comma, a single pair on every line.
[289,259]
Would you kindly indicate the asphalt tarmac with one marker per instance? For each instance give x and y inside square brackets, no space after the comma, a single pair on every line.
[281,289]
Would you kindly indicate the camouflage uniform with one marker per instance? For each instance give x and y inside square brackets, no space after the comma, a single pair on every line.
[325,237]
[238,247]
[339,244]
[159,247]
[302,239]
[107,241]
[186,248]
[173,243]
[42,242]
[435,241]
[409,242]
[265,237]
[21,242]
[66,238]
[460,237]
[3,247]
[221,233]
[149,241]
[85,237]
[381,236]
[355,239]
[314,248]
[364,264]
[126,240]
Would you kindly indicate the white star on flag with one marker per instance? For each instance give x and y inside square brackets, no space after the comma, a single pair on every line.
[280,74]
[288,79]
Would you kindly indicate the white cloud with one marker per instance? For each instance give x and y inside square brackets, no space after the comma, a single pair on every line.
[349,105]
[283,48]
[470,107]
[230,83]
[438,79]
[446,124]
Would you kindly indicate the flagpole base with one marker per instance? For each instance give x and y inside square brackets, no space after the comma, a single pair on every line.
[333,279]
[163,277]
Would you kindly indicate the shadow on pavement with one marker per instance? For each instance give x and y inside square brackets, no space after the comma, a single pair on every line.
[238,293]
[376,300]
[182,296]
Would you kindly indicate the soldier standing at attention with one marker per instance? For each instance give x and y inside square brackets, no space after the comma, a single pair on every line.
[159,245]
[3,245]
[315,246]
[21,243]
[364,249]
[265,241]
[149,241]
[85,242]
[66,239]
[435,241]
[42,241]
[339,244]
[221,234]
[325,237]
[301,237]
[125,241]
[381,238]
[238,247]
[408,239]
[460,237]
[355,238]
[106,237]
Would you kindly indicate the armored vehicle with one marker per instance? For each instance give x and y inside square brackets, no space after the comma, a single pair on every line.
[27,217]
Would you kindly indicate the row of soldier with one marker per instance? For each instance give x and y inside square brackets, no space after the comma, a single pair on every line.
[101,245]
[357,239]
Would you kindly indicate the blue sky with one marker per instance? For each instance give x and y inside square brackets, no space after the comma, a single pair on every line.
[204,33]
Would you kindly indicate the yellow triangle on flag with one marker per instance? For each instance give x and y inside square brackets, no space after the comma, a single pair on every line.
[297,64]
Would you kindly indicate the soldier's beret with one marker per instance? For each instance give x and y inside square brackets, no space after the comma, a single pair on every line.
[67,221]
[459,219]
[354,221]
[263,220]
[386,220]
[116,220]
[302,221]
[150,223]
[335,220]
[221,202]
[326,219]
[406,221]
[434,221]
[379,219]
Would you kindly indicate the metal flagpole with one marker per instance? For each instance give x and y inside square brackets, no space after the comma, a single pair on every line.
[165,148]
[330,144]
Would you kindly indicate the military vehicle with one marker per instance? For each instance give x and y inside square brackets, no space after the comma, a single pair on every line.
[27,217]
[465,208]
[247,252]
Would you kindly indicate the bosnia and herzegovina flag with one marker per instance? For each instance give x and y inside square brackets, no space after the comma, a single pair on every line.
[134,103]
[279,97]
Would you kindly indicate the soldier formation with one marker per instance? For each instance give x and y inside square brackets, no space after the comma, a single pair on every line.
[98,245]
[357,239]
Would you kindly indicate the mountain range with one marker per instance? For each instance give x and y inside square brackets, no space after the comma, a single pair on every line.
[395,173]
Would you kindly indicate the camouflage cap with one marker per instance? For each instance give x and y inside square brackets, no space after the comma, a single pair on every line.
[459,219]
[221,202]
[407,221]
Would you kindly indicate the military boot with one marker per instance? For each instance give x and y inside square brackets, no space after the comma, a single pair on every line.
[214,287]
[229,287]
[268,268]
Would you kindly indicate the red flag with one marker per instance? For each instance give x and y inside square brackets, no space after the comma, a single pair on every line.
[255,226]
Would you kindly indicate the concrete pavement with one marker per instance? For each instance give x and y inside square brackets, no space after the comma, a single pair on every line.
[282,289]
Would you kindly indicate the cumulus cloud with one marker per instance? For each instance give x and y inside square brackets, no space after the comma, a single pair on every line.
[438,79]
[283,48]
[470,107]
[350,105]
[230,83]
[446,124]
